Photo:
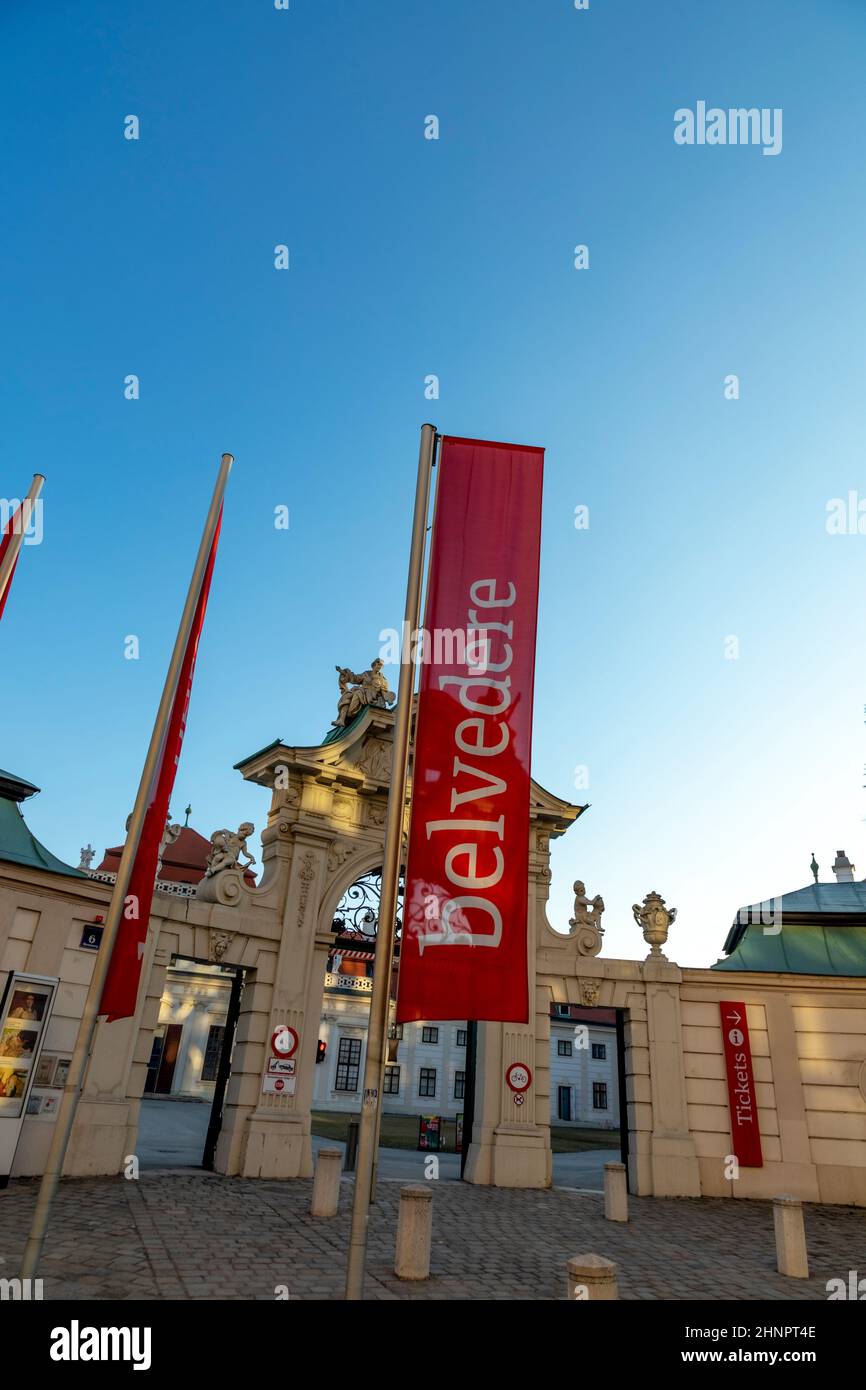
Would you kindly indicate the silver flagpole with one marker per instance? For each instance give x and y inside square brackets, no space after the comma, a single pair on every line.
[378,1027]
[7,564]
[87,1029]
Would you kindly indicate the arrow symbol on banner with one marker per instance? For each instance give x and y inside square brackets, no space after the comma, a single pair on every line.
[735,1016]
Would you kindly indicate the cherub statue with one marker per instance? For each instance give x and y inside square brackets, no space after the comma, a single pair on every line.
[586,925]
[227,846]
[586,913]
[370,689]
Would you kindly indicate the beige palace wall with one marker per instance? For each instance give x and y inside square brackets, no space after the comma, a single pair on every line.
[808,1039]
[324,829]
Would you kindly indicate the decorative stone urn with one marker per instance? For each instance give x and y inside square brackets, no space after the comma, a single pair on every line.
[655,921]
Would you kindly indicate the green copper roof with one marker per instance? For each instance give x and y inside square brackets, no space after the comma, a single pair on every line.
[801,949]
[840,905]
[335,733]
[816,898]
[330,737]
[15,788]
[267,748]
[19,846]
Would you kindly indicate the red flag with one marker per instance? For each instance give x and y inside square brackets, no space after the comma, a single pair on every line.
[121,985]
[463,947]
[5,542]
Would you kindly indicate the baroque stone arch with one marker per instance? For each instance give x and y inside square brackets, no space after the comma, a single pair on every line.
[325,829]
[353,867]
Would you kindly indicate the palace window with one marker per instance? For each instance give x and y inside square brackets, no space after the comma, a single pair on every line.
[213,1048]
[429,1035]
[427,1082]
[459,1085]
[599,1052]
[348,1064]
[563,1047]
[392,1081]
[599,1095]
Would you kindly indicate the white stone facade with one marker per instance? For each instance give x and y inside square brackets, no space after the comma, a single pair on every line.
[431,1058]
[584,1083]
[196,1000]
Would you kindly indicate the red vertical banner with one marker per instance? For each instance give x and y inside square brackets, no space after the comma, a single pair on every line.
[121,985]
[5,542]
[463,947]
[745,1131]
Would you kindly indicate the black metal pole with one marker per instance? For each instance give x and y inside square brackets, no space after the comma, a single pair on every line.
[623,1103]
[225,1063]
[469,1091]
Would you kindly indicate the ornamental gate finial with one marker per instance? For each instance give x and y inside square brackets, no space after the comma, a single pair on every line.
[655,921]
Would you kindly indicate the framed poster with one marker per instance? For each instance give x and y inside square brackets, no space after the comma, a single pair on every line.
[24,1013]
[45,1069]
[430,1132]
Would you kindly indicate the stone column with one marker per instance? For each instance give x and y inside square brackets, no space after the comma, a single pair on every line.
[414,1233]
[675,1171]
[591,1279]
[791,1257]
[326,1184]
[615,1192]
[511,1137]
[277,1140]
[799,1171]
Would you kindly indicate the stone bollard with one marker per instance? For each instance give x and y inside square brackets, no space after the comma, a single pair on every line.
[326,1183]
[615,1192]
[591,1278]
[414,1232]
[791,1257]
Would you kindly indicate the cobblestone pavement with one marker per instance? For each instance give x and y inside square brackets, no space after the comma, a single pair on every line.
[194,1235]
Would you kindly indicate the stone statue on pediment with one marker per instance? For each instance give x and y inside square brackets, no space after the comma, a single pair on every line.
[227,846]
[586,922]
[358,692]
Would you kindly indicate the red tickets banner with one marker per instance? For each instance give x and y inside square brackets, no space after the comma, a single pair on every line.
[463,946]
[745,1131]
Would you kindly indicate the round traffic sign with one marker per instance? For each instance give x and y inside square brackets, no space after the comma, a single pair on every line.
[284,1041]
[519,1098]
[518,1077]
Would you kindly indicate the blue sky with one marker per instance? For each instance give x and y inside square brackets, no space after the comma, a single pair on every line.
[711,780]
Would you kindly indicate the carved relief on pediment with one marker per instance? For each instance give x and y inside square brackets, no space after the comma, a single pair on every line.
[375,760]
